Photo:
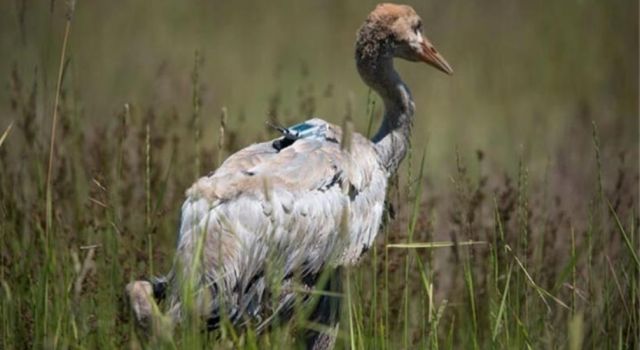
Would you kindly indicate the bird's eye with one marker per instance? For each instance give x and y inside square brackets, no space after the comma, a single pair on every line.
[417,28]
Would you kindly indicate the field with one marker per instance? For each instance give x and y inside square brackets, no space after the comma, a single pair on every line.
[513,223]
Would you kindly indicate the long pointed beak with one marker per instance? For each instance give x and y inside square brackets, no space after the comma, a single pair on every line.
[432,57]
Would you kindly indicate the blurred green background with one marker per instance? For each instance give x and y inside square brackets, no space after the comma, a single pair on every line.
[528,75]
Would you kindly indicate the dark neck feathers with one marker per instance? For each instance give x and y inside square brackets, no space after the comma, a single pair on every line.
[374,59]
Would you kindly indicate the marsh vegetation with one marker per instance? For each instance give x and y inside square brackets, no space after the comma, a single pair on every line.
[513,222]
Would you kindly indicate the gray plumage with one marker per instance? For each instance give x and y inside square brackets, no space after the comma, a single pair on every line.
[299,205]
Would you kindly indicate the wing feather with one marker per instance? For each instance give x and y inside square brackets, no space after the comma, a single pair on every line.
[284,207]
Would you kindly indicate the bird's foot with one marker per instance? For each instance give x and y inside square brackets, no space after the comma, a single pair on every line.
[145,310]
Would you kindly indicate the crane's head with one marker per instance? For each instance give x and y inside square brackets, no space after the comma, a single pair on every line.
[397,29]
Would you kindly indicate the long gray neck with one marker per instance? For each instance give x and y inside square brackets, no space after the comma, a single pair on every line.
[393,138]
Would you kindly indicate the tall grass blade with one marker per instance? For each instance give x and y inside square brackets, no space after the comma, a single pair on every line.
[576,332]
[54,120]
[432,245]
[627,241]
[5,133]
[541,291]
[503,305]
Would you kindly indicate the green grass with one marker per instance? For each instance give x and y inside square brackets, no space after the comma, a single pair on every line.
[517,228]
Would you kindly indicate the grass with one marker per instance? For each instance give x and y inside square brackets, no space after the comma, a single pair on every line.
[482,248]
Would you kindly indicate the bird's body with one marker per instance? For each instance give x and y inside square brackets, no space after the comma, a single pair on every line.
[289,209]
[267,204]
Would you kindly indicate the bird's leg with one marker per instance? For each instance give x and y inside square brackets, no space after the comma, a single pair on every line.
[326,314]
